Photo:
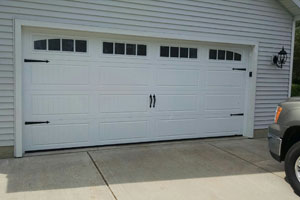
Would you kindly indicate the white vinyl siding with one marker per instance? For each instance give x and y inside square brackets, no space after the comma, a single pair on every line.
[263,21]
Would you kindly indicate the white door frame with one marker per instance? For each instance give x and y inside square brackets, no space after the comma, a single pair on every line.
[19,24]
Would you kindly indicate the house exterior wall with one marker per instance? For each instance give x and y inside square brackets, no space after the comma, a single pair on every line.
[265,22]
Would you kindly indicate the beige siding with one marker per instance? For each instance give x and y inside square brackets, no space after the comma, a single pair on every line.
[264,21]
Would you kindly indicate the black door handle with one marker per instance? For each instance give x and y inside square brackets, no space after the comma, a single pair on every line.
[154,101]
[150,100]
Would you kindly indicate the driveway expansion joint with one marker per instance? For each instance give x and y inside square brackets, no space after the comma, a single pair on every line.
[243,159]
[101,174]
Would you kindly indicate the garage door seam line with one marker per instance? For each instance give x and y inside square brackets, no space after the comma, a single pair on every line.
[101,174]
[244,160]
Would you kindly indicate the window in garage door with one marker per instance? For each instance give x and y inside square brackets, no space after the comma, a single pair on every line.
[118,48]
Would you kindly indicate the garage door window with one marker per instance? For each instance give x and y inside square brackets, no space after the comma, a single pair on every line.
[141,50]
[65,45]
[229,55]
[130,49]
[120,48]
[184,52]
[237,57]
[54,44]
[81,46]
[124,49]
[178,52]
[224,55]
[40,44]
[175,52]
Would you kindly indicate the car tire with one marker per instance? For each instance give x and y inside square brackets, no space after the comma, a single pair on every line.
[290,160]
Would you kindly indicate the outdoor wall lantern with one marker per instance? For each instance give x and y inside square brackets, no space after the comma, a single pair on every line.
[280,59]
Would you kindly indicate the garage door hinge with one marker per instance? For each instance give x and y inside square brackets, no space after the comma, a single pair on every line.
[37,122]
[250,74]
[239,69]
[237,114]
[32,60]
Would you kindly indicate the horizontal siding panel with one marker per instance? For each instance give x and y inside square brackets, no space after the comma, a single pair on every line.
[8,42]
[6,67]
[266,110]
[5,35]
[264,106]
[6,80]
[6,48]
[6,124]
[6,118]
[230,5]
[172,6]
[119,12]
[273,84]
[6,131]
[269,101]
[6,111]
[207,8]
[271,88]
[6,61]
[5,74]
[6,105]
[6,93]
[169,28]
[6,28]
[271,80]
[273,71]
[5,137]
[142,9]
[6,142]
[6,99]
[7,87]
[273,76]
[6,55]
[267,115]
[265,93]
[6,22]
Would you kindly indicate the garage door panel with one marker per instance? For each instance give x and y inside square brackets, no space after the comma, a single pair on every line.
[122,130]
[224,79]
[172,127]
[57,104]
[124,103]
[120,76]
[223,125]
[60,74]
[221,102]
[177,103]
[172,77]
[60,135]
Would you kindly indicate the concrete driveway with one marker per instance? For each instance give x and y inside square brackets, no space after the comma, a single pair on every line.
[228,168]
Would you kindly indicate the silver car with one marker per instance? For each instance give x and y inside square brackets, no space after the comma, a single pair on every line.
[284,139]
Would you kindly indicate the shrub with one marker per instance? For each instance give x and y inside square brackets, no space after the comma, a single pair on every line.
[295,90]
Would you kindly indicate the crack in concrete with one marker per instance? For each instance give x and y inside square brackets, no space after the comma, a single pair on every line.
[243,159]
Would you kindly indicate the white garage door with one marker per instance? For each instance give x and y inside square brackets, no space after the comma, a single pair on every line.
[98,90]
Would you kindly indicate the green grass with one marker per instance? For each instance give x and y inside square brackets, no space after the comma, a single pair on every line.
[295,90]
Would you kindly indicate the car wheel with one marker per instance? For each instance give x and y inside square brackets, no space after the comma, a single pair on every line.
[292,167]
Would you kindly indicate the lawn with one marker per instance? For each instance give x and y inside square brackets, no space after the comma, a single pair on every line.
[295,90]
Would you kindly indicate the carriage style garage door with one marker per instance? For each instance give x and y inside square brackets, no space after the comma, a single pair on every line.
[104,89]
